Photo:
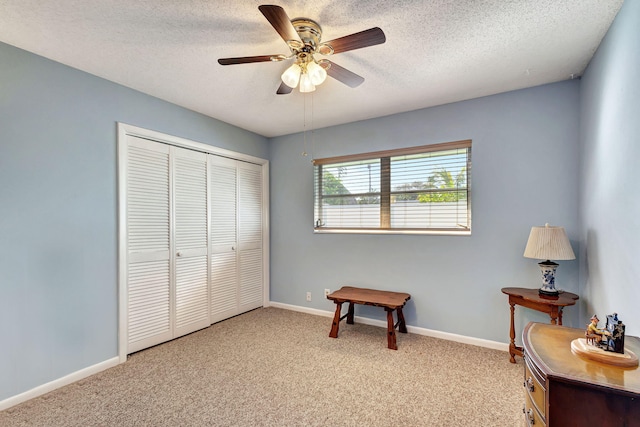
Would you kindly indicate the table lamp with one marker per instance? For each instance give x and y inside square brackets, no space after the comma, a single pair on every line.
[548,243]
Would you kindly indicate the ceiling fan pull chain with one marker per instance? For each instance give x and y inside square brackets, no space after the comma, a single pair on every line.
[304,125]
[313,132]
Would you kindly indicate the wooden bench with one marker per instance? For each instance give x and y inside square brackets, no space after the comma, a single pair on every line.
[390,301]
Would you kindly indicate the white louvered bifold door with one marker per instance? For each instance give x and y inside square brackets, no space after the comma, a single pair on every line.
[224,264]
[250,236]
[192,224]
[148,244]
[190,231]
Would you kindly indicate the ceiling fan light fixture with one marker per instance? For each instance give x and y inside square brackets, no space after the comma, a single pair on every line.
[303,37]
[306,85]
[317,74]
[291,76]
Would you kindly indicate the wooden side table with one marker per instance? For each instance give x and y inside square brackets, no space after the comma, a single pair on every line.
[530,298]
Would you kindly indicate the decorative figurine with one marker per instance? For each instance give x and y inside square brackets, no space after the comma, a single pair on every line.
[594,334]
[611,338]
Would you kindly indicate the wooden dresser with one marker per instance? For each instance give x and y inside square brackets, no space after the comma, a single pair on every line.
[562,389]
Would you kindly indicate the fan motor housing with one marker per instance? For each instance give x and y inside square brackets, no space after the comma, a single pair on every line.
[309,31]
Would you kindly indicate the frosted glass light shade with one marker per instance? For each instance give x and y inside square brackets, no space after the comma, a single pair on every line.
[317,74]
[305,83]
[291,76]
[550,243]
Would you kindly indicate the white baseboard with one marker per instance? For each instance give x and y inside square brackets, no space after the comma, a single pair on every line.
[60,382]
[412,329]
[301,309]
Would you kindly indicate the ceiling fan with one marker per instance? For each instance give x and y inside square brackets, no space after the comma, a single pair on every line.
[303,36]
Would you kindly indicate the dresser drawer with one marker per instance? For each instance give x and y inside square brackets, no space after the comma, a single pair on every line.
[534,387]
[531,415]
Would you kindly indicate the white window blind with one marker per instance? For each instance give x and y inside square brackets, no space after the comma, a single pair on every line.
[420,189]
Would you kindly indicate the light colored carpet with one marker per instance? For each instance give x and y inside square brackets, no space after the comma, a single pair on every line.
[274,367]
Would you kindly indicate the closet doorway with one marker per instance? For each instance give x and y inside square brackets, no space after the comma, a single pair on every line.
[193,236]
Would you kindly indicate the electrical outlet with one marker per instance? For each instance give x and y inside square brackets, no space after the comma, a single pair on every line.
[308,296]
[327,292]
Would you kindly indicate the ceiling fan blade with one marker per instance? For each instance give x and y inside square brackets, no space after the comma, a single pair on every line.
[341,74]
[370,37]
[247,59]
[278,18]
[284,89]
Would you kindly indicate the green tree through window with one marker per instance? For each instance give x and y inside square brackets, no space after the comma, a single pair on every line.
[443,180]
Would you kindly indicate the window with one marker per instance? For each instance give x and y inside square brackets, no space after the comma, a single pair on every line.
[411,190]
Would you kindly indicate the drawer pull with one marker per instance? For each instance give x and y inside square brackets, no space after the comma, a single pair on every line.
[529,384]
[530,418]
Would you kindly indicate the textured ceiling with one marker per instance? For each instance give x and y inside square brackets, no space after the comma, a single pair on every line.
[437,51]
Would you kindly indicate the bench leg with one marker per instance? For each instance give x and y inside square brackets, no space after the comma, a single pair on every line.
[336,321]
[350,314]
[391,330]
[402,326]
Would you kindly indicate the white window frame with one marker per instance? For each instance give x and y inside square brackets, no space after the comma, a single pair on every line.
[386,193]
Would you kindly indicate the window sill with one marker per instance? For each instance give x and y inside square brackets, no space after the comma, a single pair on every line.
[392,231]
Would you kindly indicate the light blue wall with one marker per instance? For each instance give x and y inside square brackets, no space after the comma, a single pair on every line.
[58,232]
[525,172]
[58,240]
[610,149]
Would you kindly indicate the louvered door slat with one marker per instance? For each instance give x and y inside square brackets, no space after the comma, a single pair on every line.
[250,201]
[190,218]
[223,204]
[223,260]
[190,201]
[147,198]
[148,238]
[250,279]
[250,236]
[224,286]
[191,293]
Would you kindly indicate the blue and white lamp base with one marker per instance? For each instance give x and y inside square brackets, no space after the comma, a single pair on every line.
[548,269]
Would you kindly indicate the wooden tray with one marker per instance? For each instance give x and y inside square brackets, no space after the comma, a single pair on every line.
[580,347]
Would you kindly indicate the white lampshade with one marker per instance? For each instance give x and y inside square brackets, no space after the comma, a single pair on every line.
[291,76]
[305,83]
[317,74]
[548,243]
